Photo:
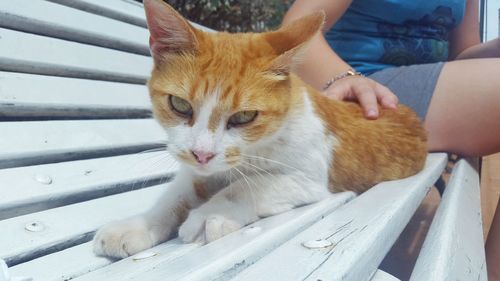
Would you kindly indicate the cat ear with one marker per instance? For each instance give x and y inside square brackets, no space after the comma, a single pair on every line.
[290,40]
[170,33]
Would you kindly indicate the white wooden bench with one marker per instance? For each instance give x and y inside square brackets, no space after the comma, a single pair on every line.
[74,117]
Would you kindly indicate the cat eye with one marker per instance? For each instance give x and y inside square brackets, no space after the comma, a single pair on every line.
[181,106]
[241,118]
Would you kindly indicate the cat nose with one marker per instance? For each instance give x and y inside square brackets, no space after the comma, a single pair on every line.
[202,156]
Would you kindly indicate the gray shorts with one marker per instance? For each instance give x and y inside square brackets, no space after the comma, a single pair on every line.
[414,84]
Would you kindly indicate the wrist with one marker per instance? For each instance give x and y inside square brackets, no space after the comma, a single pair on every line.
[349,73]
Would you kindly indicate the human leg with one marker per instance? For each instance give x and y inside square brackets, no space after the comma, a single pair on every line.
[464,117]
[464,112]
[412,84]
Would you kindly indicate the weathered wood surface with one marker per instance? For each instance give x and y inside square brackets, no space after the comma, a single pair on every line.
[383,276]
[59,228]
[44,91]
[29,53]
[453,249]
[358,234]
[222,258]
[63,22]
[123,10]
[62,265]
[37,142]
[227,257]
[59,184]
[78,260]
[69,98]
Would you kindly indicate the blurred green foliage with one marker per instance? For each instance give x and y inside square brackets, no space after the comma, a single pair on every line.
[234,15]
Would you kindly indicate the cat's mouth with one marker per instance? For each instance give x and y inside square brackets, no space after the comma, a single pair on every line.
[207,169]
[203,170]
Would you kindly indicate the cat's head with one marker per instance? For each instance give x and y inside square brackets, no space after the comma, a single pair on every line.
[219,95]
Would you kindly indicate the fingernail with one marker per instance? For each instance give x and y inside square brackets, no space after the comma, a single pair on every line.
[371,113]
[392,105]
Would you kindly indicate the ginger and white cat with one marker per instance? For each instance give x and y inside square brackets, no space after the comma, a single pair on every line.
[253,140]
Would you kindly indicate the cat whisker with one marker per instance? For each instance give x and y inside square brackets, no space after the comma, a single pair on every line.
[157,163]
[130,171]
[230,182]
[245,178]
[255,167]
[151,157]
[270,160]
[256,170]
[161,142]
[156,149]
[157,157]
[277,162]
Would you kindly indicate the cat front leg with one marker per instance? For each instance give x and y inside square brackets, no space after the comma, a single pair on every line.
[248,199]
[127,237]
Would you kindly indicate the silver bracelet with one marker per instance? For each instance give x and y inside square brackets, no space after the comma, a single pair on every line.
[350,72]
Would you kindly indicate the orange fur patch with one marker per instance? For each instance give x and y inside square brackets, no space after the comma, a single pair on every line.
[371,151]
[215,119]
[181,210]
[200,189]
[234,63]
[232,155]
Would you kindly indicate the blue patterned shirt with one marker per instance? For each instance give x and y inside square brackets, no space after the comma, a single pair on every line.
[376,34]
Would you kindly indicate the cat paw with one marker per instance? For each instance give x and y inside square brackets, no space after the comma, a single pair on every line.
[123,238]
[206,228]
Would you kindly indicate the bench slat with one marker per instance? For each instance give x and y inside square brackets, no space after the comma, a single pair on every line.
[79,260]
[69,98]
[37,142]
[62,265]
[224,257]
[69,225]
[74,25]
[123,10]
[454,248]
[361,233]
[383,276]
[36,111]
[29,53]
[127,11]
[77,181]
[40,89]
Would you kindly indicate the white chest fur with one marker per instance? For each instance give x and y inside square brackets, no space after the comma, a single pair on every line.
[302,146]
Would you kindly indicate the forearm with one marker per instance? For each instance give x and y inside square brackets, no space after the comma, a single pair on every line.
[319,62]
[490,49]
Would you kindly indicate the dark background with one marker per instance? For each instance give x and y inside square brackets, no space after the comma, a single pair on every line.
[233,15]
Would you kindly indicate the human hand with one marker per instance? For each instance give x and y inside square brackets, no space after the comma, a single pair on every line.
[365,91]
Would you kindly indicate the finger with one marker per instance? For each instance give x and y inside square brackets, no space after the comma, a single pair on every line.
[337,92]
[386,97]
[368,100]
